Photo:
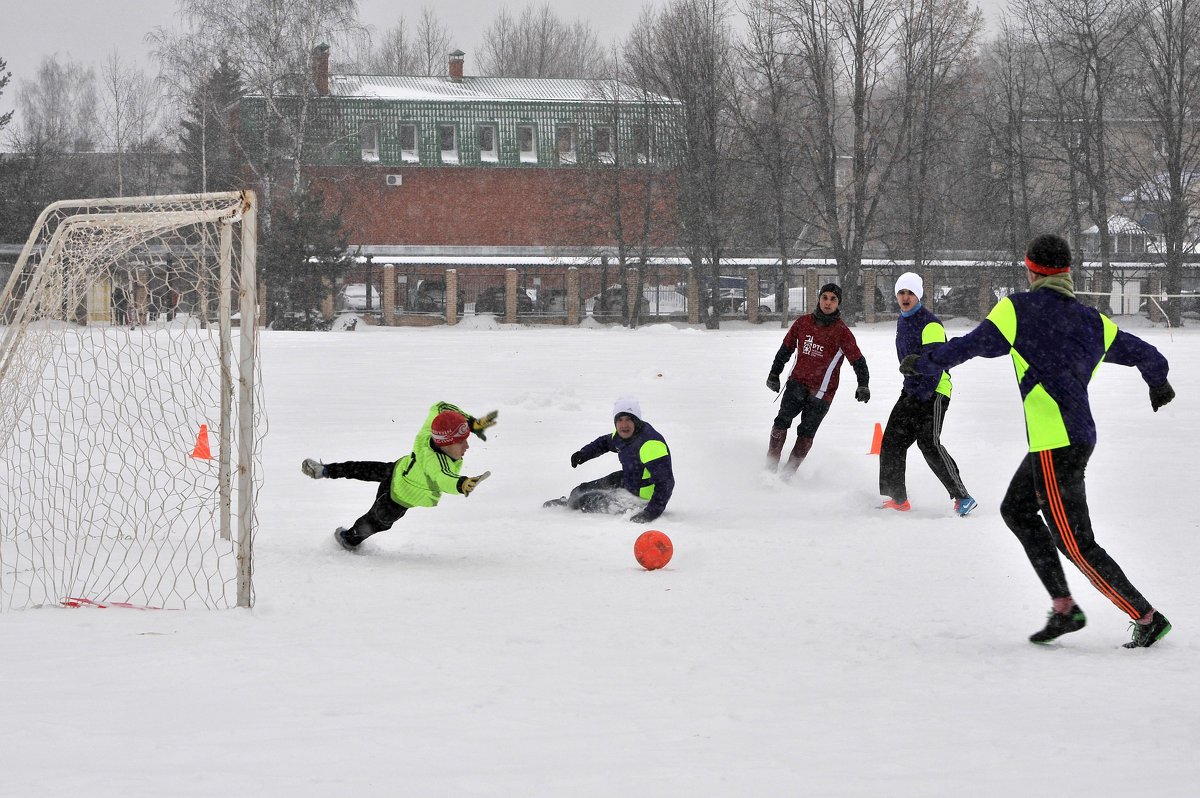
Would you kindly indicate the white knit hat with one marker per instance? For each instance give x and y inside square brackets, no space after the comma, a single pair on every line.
[911,281]
[627,405]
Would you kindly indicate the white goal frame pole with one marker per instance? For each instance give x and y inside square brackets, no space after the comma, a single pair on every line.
[248,285]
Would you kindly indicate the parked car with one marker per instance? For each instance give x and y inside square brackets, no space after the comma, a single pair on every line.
[766,302]
[491,300]
[609,306]
[430,297]
[354,297]
[962,301]
[551,302]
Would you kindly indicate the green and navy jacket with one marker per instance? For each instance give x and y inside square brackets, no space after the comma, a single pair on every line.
[422,476]
[917,332]
[645,465]
[1056,344]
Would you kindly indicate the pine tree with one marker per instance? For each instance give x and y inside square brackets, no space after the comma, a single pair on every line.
[5,77]
[206,143]
[300,260]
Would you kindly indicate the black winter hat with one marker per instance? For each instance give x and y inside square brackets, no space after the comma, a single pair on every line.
[1048,254]
[832,288]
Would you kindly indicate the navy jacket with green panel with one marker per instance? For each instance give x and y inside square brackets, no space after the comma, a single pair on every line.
[1056,343]
[645,465]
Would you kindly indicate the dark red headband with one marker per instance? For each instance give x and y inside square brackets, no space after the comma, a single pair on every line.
[1044,270]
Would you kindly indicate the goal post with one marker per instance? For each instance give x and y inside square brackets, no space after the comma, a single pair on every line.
[128,337]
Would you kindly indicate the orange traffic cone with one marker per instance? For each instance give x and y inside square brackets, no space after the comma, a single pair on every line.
[202,452]
[877,439]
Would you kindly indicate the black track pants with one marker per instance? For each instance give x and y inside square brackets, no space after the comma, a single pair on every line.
[1052,482]
[797,401]
[916,421]
[384,512]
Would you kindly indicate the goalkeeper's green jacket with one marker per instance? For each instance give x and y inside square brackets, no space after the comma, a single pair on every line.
[423,475]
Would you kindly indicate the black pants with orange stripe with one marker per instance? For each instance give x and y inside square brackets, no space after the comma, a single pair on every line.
[1051,482]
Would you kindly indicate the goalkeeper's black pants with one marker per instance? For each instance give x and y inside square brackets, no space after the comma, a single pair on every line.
[1052,482]
[384,512]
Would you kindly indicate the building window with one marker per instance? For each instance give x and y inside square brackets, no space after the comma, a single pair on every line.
[448,136]
[1160,145]
[527,143]
[602,141]
[640,141]
[487,144]
[566,144]
[408,143]
[368,141]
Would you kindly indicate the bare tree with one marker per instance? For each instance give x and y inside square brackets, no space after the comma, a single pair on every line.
[432,44]
[5,77]
[1168,170]
[769,114]
[846,50]
[1081,44]
[538,44]
[394,54]
[129,115]
[936,47]
[57,110]
[685,52]
[271,44]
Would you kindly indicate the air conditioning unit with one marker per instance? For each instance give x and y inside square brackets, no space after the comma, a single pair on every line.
[395,180]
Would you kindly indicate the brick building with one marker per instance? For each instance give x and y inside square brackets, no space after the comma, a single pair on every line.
[460,166]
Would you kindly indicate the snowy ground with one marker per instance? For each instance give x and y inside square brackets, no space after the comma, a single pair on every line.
[801,643]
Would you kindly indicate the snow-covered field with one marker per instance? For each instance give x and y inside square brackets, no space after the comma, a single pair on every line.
[801,642]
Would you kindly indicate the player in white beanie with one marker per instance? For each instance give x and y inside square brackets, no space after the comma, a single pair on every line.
[911,281]
[918,414]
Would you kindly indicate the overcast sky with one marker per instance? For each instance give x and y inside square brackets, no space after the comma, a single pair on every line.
[88,30]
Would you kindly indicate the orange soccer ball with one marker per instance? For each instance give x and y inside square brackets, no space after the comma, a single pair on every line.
[653,550]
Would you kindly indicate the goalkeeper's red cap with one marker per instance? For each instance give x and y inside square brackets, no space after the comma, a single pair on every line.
[449,427]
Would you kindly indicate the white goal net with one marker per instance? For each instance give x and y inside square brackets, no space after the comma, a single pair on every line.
[130,417]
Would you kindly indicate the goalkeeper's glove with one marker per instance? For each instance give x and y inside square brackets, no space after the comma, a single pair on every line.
[468,484]
[481,424]
[1160,395]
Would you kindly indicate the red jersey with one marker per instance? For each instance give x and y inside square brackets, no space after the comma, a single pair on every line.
[821,351]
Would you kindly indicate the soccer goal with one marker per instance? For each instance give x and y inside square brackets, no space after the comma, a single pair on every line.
[130,411]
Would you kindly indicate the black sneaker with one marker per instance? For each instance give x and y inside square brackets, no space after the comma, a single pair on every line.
[1147,634]
[1059,624]
[345,539]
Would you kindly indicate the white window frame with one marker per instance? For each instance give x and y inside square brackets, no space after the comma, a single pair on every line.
[448,155]
[604,156]
[570,155]
[368,141]
[492,155]
[530,155]
[412,154]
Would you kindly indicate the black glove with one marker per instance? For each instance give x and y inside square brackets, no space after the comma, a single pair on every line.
[641,518]
[1160,395]
[863,394]
[908,366]
[576,459]
[773,382]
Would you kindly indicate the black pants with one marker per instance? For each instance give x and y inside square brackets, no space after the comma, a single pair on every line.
[1052,482]
[797,401]
[916,421]
[604,495]
[384,512]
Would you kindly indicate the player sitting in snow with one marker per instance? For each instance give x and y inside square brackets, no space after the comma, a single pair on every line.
[645,481]
[418,479]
